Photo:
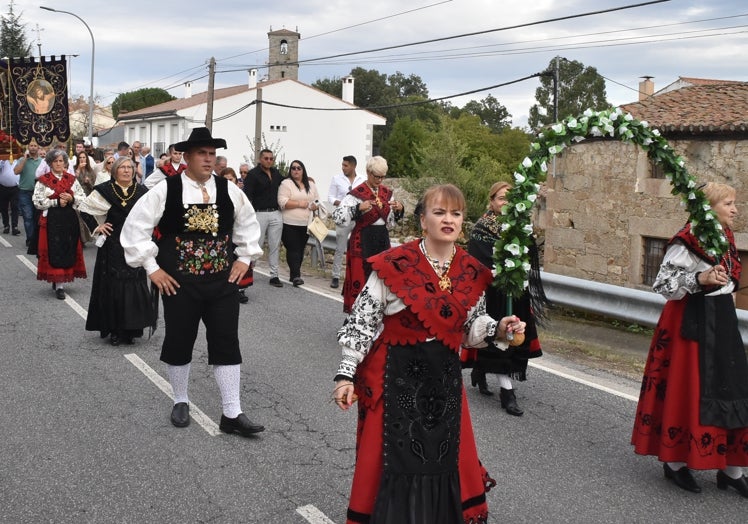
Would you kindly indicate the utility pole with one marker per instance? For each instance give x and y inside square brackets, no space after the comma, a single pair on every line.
[211,92]
[258,125]
[555,89]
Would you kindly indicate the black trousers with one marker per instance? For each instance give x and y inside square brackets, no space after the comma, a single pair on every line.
[9,198]
[215,303]
[294,239]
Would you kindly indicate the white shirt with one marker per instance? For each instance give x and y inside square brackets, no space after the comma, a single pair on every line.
[140,250]
[7,177]
[340,186]
[43,168]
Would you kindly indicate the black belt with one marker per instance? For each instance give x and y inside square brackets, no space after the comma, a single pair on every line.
[266,210]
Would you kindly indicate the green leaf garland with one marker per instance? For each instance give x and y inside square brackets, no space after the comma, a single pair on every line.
[510,255]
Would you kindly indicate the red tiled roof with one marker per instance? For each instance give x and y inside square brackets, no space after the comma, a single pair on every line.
[709,108]
[172,106]
[706,81]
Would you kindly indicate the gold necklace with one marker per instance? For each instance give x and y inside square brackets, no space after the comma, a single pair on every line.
[445,283]
[124,198]
[376,196]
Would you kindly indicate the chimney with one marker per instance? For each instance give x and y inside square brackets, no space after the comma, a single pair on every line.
[252,83]
[348,82]
[188,89]
[646,88]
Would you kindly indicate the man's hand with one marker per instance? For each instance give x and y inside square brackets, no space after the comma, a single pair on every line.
[238,269]
[164,282]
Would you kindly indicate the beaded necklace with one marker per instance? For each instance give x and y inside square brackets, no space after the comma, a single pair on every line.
[445,283]
[125,198]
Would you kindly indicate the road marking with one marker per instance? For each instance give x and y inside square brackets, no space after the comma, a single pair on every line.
[580,380]
[198,416]
[313,515]
[5,243]
[69,301]
[332,294]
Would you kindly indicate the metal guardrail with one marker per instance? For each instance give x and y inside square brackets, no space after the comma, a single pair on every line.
[632,305]
[621,303]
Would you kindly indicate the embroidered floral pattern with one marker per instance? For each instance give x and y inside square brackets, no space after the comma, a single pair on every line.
[202,256]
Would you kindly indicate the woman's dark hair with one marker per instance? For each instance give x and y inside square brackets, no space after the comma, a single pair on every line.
[304,176]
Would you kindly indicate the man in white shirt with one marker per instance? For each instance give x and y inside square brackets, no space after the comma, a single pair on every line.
[173,166]
[209,234]
[339,187]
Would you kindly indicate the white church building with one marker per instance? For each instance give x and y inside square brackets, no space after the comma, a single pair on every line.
[319,137]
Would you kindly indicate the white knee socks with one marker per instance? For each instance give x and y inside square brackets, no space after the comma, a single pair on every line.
[179,378]
[505,382]
[227,378]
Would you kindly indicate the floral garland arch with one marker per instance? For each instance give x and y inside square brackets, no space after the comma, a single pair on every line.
[511,258]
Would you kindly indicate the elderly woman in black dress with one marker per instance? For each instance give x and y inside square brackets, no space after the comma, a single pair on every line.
[120,305]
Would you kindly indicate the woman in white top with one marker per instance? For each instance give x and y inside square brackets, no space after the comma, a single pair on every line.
[297,198]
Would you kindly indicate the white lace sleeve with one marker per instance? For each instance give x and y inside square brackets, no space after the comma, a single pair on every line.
[363,325]
[479,326]
[345,214]
[678,271]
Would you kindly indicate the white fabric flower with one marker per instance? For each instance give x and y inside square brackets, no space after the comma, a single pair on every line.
[509,263]
[526,266]
[557,128]
[532,197]
[512,248]
[527,162]
[519,177]
[505,227]
[521,207]
[589,112]
[595,131]
[544,167]
[646,141]
[527,228]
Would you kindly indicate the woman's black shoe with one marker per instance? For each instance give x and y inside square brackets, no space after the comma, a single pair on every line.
[682,478]
[478,378]
[741,484]
[114,339]
[509,402]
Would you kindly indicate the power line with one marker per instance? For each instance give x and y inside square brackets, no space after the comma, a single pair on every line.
[486,31]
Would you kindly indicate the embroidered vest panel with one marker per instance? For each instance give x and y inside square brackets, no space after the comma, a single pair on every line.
[196,238]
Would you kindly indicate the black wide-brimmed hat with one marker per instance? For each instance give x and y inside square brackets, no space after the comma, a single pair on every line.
[200,136]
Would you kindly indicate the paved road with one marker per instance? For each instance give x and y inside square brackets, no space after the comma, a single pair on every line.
[85,433]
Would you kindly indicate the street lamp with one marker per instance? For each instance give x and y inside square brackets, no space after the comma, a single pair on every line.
[93,52]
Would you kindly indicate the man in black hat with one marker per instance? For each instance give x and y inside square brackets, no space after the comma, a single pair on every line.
[209,235]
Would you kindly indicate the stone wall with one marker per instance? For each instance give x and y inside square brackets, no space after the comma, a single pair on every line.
[602,202]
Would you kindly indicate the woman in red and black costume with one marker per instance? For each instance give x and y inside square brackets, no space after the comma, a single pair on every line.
[57,195]
[693,407]
[370,207]
[416,455]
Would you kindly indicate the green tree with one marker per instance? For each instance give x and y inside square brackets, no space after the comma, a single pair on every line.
[579,88]
[491,113]
[401,147]
[13,35]
[134,100]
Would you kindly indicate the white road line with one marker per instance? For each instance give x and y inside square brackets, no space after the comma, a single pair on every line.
[5,243]
[333,295]
[69,301]
[585,382]
[198,416]
[313,515]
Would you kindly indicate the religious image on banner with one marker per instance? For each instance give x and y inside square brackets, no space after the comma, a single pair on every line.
[39,99]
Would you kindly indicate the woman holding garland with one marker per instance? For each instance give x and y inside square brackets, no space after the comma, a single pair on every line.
[120,305]
[508,362]
[693,406]
[57,194]
[423,301]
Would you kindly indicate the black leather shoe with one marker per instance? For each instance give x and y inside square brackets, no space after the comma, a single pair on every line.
[335,283]
[6,230]
[741,484]
[509,402]
[275,282]
[60,293]
[682,478]
[16,231]
[240,424]
[478,378]
[297,282]
[180,415]
[114,339]
[243,298]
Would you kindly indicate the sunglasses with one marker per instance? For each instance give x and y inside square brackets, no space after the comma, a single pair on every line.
[295,168]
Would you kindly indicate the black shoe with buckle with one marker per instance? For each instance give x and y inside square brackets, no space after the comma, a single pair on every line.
[335,282]
[180,415]
[275,282]
[240,424]
[243,298]
[682,478]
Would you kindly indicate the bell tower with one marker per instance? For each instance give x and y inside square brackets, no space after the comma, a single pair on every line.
[284,54]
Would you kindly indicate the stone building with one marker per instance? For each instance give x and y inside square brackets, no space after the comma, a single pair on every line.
[608,211]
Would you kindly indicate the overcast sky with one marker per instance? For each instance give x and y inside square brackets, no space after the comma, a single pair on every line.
[151,43]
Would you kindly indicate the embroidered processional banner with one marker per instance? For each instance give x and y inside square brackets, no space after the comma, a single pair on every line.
[38,93]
